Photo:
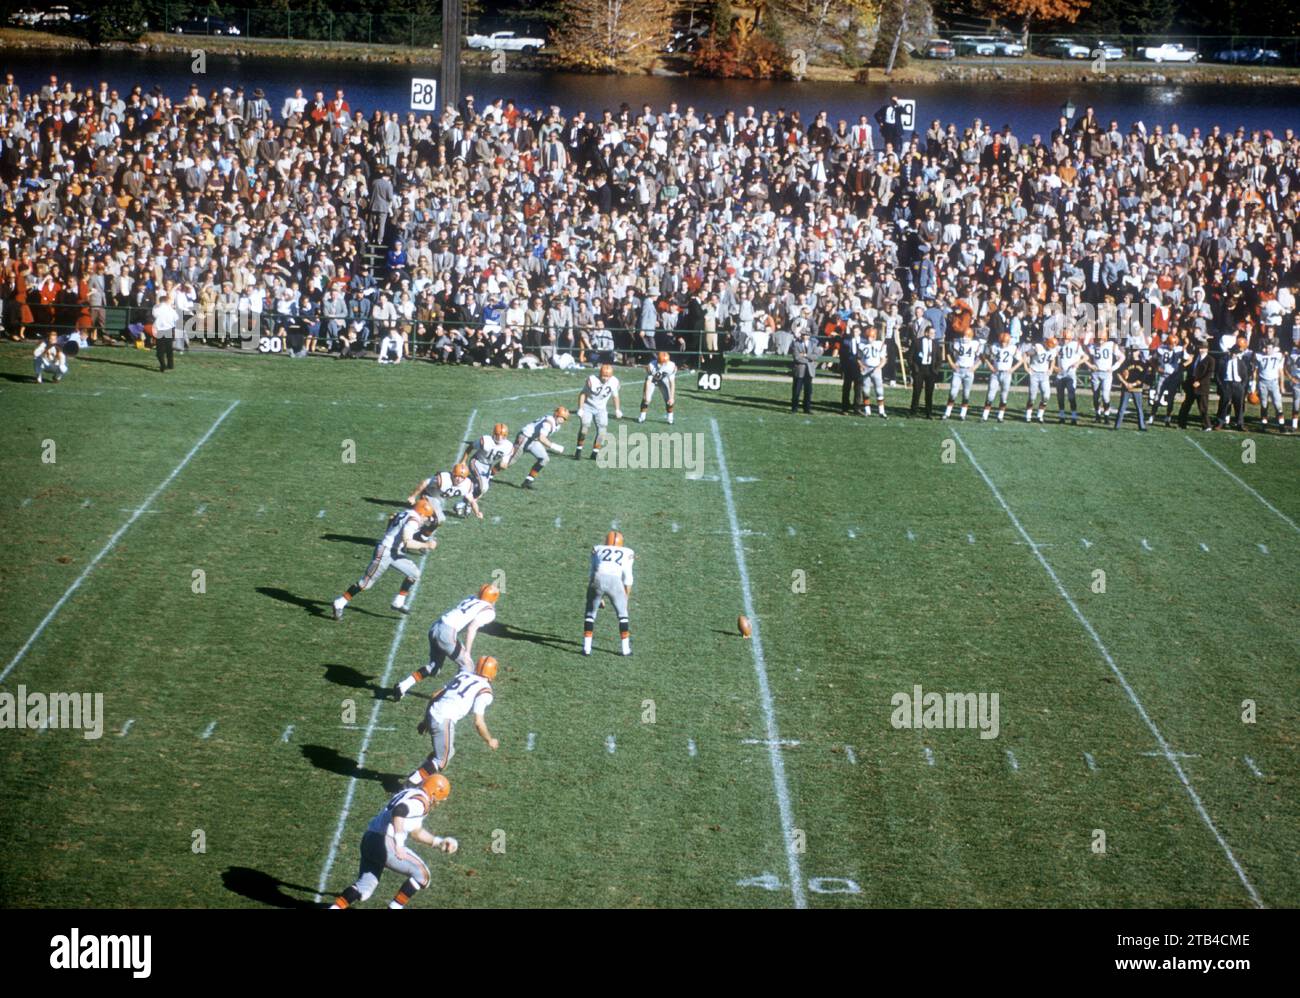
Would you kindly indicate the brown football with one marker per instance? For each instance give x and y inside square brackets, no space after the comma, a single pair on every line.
[742,622]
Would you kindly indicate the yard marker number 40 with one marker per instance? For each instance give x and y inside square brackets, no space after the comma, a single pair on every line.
[710,381]
[818,885]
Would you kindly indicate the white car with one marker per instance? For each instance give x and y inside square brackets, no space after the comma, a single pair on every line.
[1170,52]
[1108,51]
[507,41]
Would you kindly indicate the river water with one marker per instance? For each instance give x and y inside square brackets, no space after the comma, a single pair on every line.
[1027,107]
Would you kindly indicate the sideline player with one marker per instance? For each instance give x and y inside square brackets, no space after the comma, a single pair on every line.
[593,401]
[399,538]
[1268,370]
[468,691]
[964,356]
[49,358]
[874,354]
[1002,362]
[1068,358]
[661,373]
[1107,357]
[535,438]
[383,846]
[492,452]
[455,486]
[611,576]
[1036,359]
[1291,370]
[469,615]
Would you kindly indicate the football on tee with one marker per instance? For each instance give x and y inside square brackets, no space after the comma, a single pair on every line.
[742,622]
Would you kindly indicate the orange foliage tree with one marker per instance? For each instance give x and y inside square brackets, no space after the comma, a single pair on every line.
[1037,10]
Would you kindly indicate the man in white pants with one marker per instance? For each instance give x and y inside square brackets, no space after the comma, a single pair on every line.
[1107,358]
[593,402]
[50,359]
[611,578]
[400,536]
[661,373]
[468,691]
[535,438]
[874,354]
[383,846]
[469,615]
[1036,359]
[1002,361]
[964,356]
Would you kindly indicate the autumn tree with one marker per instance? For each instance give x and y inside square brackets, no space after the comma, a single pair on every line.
[1028,11]
[612,34]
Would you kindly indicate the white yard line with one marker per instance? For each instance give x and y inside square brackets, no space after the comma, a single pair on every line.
[1251,763]
[384,682]
[764,690]
[1011,758]
[286,734]
[929,756]
[848,752]
[1092,763]
[112,543]
[1165,750]
[126,728]
[1228,471]
[690,747]
[532,741]
[207,732]
[610,744]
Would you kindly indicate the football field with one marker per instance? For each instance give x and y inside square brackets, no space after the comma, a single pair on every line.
[173,543]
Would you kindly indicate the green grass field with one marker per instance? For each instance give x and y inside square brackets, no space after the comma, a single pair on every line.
[876,555]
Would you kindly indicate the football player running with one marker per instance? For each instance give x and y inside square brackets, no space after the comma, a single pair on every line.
[491,453]
[661,373]
[469,615]
[468,691]
[964,356]
[535,438]
[455,486]
[592,403]
[400,536]
[611,577]
[383,846]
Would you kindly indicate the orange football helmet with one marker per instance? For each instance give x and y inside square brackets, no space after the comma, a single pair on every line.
[460,471]
[561,414]
[663,356]
[437,787]
[489,592]
[487,668]
[501,430]
[424,507]
[614,539]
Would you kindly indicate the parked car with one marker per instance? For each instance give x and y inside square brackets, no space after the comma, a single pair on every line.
[206,26]
[971,45]
[507,41]
[1066,48]
[939,48]
[1170,52]
[1250,56]
[1008,47]
[1107,50]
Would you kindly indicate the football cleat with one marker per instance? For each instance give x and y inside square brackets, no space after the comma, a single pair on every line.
[338,610]
[606,371]
[437,787]
[528,483]
[501,431]
[489,592]
[614,539]
[460,471]
[487,668]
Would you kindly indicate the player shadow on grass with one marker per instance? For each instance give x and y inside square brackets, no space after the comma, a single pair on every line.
[147,366]
[333,761]
[500,630]
[316,607]
[265,888]
[770,404]
[345,675]
[349,539]
[384,502]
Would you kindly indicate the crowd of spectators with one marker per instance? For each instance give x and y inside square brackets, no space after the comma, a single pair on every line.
[502,235]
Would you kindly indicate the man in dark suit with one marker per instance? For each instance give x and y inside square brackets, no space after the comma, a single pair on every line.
[1235,369]
[1200,375]
[381,205]
[805,353]
[850,371]
[925,358]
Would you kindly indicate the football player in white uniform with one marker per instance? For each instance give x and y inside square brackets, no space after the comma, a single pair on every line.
[469,615]
[1066,366]
[535,438]
[661,373]
[485,458]
[468,691]
[874,355]
[964,356]
[383,846]
[1002,362]
[1036,359]
[1268,372]
[1107,358]
[49,358]
[455,486]
[611,577]
[592,403]
[400,536]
